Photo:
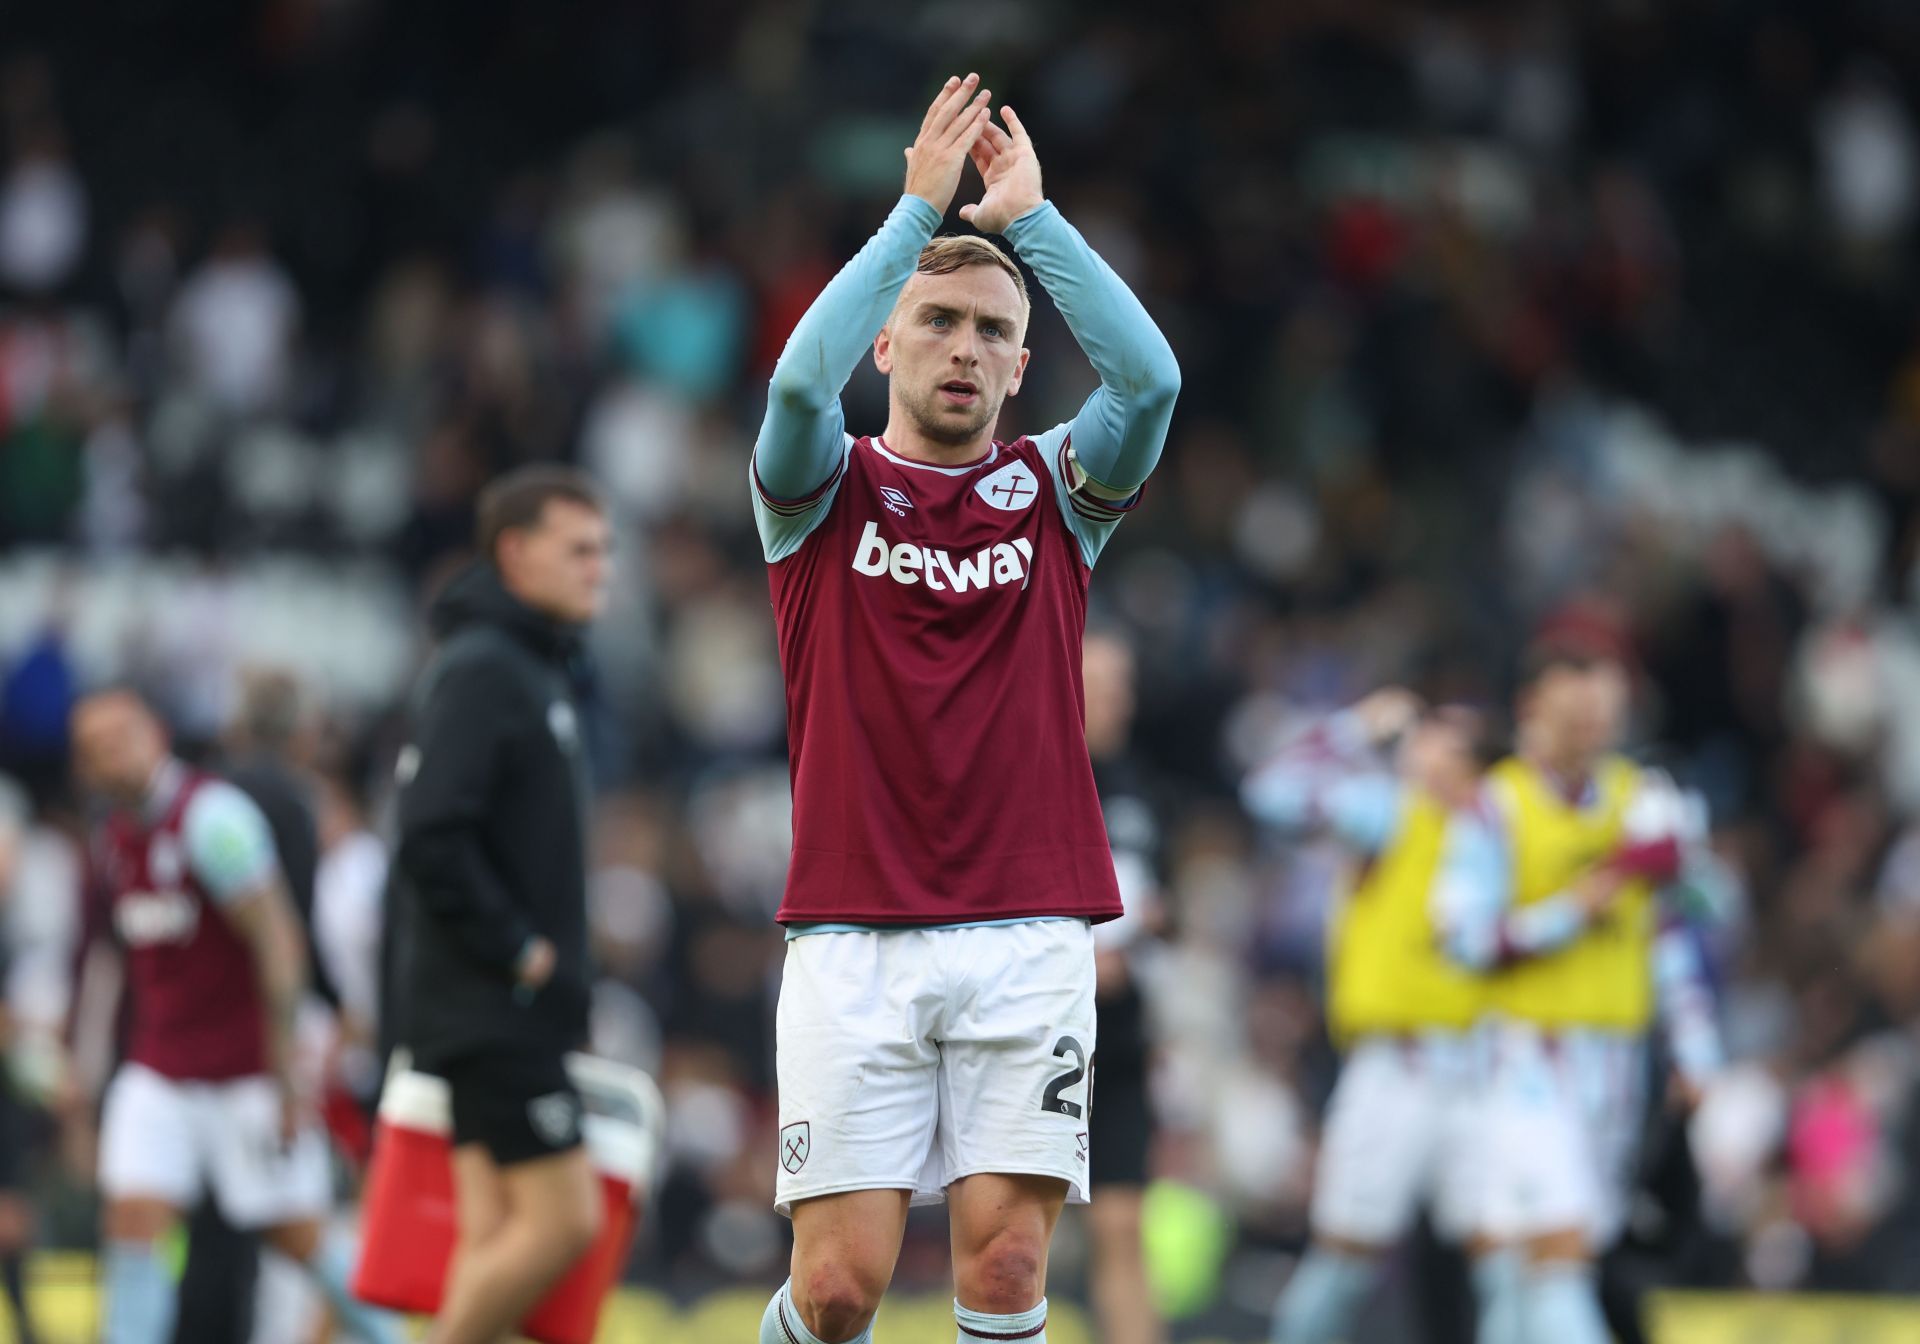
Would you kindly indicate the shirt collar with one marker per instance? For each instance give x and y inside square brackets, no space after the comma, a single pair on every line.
[1574,790]
[165,787]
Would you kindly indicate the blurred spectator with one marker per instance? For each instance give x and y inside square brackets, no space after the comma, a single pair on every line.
[35,699]
[1868,161]
[349,896]
[234,323]
[40,921]
[43,213]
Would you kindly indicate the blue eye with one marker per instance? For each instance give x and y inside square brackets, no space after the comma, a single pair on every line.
[991,330]
[939,319]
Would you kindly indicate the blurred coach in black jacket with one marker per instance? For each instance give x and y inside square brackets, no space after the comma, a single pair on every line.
[491,968]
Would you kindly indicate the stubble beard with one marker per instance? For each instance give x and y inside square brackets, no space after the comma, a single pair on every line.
[936,422]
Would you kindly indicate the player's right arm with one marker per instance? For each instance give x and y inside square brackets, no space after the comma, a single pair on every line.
[802,446]
[1649,852]
[1479,924]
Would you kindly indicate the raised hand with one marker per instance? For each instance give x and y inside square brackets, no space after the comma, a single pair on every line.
[1011,170]
[1595,890]
[947,133]
[1387,713]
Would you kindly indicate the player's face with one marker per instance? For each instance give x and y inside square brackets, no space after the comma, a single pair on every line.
[559,565]
[1583,709]
[1439,761]
[952,351]
[117,746]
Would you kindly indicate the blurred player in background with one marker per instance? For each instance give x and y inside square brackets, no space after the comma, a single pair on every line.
[267,755]
[205,1097]
[1120,1129]
[1552,887]
[936,1018]
[349,900]
[227,1291]
[16,1213]
[1399,1131]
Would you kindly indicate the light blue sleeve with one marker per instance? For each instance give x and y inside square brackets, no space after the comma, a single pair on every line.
[1090,518]
[1472,892]
[229,844]
[1362,811]
[1687,1008]
[802,447]
[1707,892]
[1101,457]
[784,524]
[1474,910]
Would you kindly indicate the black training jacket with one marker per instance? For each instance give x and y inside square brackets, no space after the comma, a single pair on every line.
[493,807]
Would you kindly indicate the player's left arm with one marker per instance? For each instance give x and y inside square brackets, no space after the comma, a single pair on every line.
[230,850]
[1704,894]
[1115,439]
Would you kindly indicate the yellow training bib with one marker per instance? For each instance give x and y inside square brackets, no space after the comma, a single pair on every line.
[1386,970]
[1604,977]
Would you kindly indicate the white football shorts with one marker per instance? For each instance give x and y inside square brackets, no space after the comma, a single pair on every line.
[1401,1133]
[1610,1069]
[1562,1131]
[911,1058]
[164,1139]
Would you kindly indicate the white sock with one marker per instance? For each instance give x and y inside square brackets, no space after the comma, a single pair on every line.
[782,1323]
[1500,1282]
[1322,1298]
[332,1270]
[1564,1306]
[142,1295]
[1029,1327]
[285,1304]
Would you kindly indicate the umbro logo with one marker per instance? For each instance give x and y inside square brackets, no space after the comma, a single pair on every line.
[896,499]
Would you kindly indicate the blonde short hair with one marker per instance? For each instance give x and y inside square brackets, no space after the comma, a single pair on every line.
[944,256]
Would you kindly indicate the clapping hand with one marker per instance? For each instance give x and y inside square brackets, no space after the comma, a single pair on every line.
[1387,713]
[949,131]
[1011,170]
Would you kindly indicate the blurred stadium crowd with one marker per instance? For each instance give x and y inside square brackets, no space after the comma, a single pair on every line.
[1493,316]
